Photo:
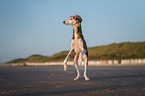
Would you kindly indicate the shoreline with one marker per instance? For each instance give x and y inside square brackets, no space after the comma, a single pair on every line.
[58,64]
[123,62]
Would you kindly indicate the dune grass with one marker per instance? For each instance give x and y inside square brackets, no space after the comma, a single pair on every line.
[124,50]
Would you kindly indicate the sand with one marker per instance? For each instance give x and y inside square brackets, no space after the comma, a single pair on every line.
[53,81]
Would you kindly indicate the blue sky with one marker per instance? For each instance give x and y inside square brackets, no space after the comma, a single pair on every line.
[30,27]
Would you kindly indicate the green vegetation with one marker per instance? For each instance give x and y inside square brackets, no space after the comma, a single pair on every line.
[125,50]
[118,51]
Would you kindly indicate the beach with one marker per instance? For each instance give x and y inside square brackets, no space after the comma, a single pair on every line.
[53,81]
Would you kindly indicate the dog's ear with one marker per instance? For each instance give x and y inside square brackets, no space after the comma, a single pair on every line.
[78,18]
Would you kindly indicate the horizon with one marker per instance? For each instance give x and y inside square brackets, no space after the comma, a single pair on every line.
[35,27]
[68,50]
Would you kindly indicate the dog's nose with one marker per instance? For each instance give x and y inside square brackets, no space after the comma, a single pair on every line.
[63,22]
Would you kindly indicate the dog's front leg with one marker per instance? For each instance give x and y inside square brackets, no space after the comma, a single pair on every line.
[68,55]
[65,61]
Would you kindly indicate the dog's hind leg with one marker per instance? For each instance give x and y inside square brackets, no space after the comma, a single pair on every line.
[76,66]
[85,66]
[81,56]
[65,61]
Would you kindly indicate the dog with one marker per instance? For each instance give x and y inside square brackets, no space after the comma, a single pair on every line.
[78,46]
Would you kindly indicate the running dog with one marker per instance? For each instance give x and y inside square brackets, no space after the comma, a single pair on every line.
[78,46]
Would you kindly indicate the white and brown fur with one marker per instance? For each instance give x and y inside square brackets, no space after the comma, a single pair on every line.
[78,46]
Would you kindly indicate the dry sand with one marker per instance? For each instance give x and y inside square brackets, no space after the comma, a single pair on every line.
[53,81]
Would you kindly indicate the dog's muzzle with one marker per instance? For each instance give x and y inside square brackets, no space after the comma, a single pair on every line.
[63,22]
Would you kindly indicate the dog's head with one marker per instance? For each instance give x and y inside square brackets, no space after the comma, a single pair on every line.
[73,20]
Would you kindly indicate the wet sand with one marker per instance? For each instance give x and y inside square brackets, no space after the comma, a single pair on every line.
[53,81]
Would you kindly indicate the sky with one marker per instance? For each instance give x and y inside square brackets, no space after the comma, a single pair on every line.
[29,27]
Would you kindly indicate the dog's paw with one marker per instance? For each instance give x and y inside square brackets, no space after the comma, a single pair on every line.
[65,67]
[76,79]
[87,79]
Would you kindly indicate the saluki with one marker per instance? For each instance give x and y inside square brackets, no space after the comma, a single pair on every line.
[78,46]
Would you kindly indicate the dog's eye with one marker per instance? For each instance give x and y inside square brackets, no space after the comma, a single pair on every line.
[71,18]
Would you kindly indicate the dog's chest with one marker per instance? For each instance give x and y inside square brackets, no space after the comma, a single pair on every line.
[76,36]
[77,45]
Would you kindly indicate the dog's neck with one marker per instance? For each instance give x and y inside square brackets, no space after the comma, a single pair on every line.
[77,32]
